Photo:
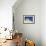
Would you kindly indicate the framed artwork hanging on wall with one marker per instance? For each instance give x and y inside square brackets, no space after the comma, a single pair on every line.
[29,19]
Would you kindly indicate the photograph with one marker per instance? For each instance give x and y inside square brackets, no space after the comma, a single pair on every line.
[29,19]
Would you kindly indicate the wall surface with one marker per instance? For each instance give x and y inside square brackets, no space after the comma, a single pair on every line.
[43,22]
[6,13]
[28,7]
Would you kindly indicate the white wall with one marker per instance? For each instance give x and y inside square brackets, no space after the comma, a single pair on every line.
[29,7]
[20,10]
[43,22]
[6,13]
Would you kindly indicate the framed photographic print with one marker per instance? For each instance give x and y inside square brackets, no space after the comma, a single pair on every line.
[29,19]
